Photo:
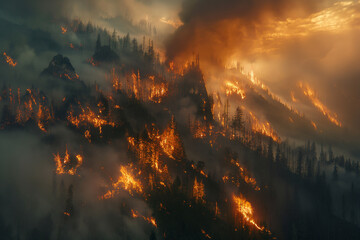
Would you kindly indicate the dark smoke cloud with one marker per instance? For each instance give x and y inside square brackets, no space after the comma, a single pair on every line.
[213,27]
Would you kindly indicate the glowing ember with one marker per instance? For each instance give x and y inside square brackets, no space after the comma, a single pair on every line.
[244,207]
[67,214]
[205,234]
[319,105]
[9,60]
[92,62]
[314,125]
[136,214]
[63,29]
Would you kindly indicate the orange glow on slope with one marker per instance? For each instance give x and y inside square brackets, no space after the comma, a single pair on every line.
[66,165]
[319,105]
[9,60]
[245,209]
[244,175]
[263,128]
[234,88]
[256,81]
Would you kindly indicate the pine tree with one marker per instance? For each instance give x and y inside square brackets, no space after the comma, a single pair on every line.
[237,122]
[299,163]
[152,236]
[331,154]
[335,173]
[135,47]
[98,43]
[113,40]
[278,154]
[270,154]
[322,155]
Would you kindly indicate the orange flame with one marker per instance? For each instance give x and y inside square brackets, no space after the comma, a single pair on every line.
[198,190]
[62,163]
[63,29]
[244,207]
[171,142]
[151,220]
[234,88]
[87,116]
[9,60]
[126,181]
[205,234]
[319,105]
[263,128]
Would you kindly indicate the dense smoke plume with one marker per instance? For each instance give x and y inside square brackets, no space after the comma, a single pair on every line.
[215,29]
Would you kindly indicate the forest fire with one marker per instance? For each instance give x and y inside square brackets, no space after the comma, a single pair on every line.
[63,29]
[9,60]
[319,105]
[157,92]
[256,81]
[123,134]
[151,220]
[89,117]
[148,154]
[171,142]
[68,164]
[126,181]
[263,128]
[198,191]
[245,209]
[146,89]
[31,107]
[234,88]
[244,175]
[205,234]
